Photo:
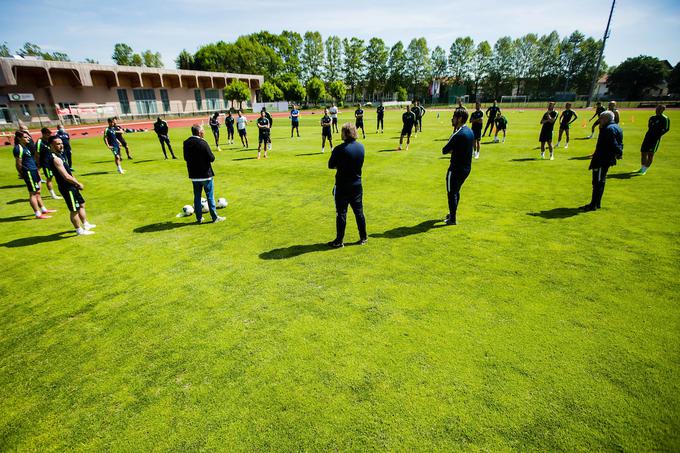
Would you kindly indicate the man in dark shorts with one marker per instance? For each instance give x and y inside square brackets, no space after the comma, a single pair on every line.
[214,122]
[501,125]
[491,113]
[547,125]
[121,139]
[359,119]
[567,117]
[66,140]
[408,118]
[28,170]
[69,187]
[348,160]
[229,123]
[608,150]
[460,147]
[598,111]
[111,142]
[476,124]
[416,115]
[657,126]
[380,113]
[271,124]
[421,114]
[264,127]
[334,117]
[241,123]
[326,124]
[294,121]
[43,149]
[160,127]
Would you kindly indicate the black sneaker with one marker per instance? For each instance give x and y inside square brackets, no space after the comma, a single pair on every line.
[588,208]
[335,245]
[362,241]
[448,221]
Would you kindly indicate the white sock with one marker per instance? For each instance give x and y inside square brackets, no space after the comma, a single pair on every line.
[79,230]
[43,209]
[38,213]
[322,149]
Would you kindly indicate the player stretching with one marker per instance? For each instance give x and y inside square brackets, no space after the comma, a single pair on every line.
[43,149]
[241,126]
[598,111]
[476,124]
[69,187]
[380,112]
[229,123]
[359,119]
[294,121]
[264,126]
[119,136]
[111,141]
[501,125]
[326,133]
[409,119]
[547,126]
[658,125]
[567,117]
[160,127]
[334,117]
[214,122]
[492,112]
[28,170]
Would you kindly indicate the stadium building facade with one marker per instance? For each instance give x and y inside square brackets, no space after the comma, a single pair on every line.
[41,91]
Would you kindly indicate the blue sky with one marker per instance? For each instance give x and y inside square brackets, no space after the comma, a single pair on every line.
[84,28]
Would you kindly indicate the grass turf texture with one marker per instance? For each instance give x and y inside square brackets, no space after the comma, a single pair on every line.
[528,326]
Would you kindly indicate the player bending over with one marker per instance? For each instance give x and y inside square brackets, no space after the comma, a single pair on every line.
[501,125]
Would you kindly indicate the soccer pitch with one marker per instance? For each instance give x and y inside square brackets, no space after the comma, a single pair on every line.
[529,326]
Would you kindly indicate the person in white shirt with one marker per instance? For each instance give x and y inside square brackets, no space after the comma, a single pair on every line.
[334,117]
[241,127]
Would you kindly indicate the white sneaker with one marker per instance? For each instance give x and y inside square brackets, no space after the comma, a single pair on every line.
[82,232]
[590,136]
[56,197]
[566,146]
[89,226]
[219,219]
[322,150]
[542,155]
[476,155]
[552,157]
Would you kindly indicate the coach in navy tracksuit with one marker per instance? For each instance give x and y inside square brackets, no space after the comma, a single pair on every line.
[609,148]
[460,147]
[348,159]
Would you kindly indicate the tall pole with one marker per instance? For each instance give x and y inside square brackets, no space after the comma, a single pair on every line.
[599,58]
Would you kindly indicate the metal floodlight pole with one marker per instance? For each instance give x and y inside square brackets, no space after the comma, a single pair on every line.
[599,58]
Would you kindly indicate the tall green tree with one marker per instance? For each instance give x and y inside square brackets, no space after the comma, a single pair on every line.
[151,59]
[316,90]
[375,57]
[184,60]
[122,54]
[635,75]
[525,50]
[353,64]
[271,93]
[396,67]
[440,64]
[289,50]
[312,55]
[337,89]
[461,55]
[481,64]
[4,50]
[674,80]
[333,58]
[546,65]
[237,91]
[418,67]
[136,60]
[499,80]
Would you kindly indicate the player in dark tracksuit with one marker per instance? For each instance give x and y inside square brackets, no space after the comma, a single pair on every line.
[460,147]
[359,119]
[598,111]
[121,139]
[294,121]
[609,148]
[380,112]
[160,127]
[491,113]
[421,114]
[416,116]
[348,160]
[567,117]
[408,118]
[547,126]
[214,122]
[271,124]
[326,133]
[657,125]
[43,150]
[229,123]
[263,126]
[476,124]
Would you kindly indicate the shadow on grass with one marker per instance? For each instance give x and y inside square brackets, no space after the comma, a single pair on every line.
[488,143]
[17,201]
[13,186]
[102,161]
[524,159]
[557,213]
[144,161]
[581,138]
[628,175]
[16,218]
[96,173]
[33,240]
[245,158]
[162,226]
[404,231]
[391,150]
[295,250]
[580,158]
[308,154]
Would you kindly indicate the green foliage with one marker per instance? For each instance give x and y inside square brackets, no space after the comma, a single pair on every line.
[293,90]
[34,50]
[461,59]
[439,63]
[353,63]
[418,67]
[636,74]
[312,55]
[674,80]
[4,50]
[338,90]
[185,60]
[136,60]
[376,55]
[151,59]
[316,90]
[91,61]
[402,94]
[122,54]
[397,67]
[271,93]
[333,46]
[237,91]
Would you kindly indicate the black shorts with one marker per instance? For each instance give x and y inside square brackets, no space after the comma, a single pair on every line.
[121,140]
[334,120]
[546,135]
[242,132]
[326,132]
[359,124]
[74,200]
[477,132]
[294,124]
[32,180]
[230,129]
[47,172]
[650,144]
[564,127]
[263,138]
[406,130]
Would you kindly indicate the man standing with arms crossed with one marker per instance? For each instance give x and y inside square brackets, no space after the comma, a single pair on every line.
[326,130]
[609,148]
[657,125]
[28,170]
[492,112]
[294,121]
[567,117]
[229,123]
[263,126]
[460,147]
[199,158]
[160,127]
[380,112]
[547,126]
[359,120]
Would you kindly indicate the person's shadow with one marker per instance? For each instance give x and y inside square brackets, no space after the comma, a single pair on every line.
[33,240]
[162,226]
[557,213]
[404,231]
[580,158]
[628,175]
[524,159]
[295,250]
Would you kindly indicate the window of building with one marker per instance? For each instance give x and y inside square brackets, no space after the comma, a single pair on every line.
[25,110]
[212,99]
[5,115]
[165,100]
[124,101]
[146,100]
[199,101]
[41,109]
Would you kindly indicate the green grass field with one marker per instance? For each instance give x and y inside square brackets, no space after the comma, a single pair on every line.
[529,326]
